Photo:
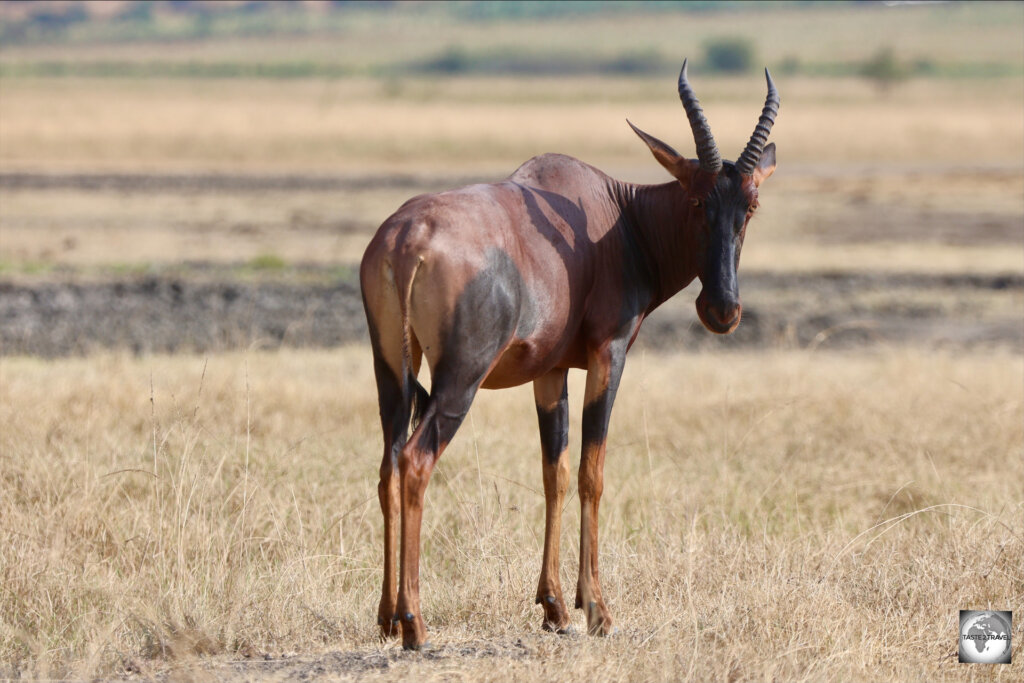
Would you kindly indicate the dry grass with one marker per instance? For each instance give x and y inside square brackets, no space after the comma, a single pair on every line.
[786,516]
[88,228]
[490,125]
[875,173]
[811,219]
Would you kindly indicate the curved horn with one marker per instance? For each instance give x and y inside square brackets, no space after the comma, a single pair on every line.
[707,150]
[752,154]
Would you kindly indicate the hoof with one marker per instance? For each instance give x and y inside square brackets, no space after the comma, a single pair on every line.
[567,630]
[599,622]
[388,628]
[556,618]
[414,632]
[603,630]
[425,646]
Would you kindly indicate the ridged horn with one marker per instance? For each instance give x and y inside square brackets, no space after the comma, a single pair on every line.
[752,154]
[707,151]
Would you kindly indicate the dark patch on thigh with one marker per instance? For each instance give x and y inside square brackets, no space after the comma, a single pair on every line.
[488,312]
[493,306]
[595,421]
[554,427]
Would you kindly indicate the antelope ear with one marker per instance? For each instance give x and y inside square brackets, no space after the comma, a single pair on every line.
[681,168]
[766,166]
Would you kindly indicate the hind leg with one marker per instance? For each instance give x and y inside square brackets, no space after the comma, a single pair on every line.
[447,407]
[394,417]
[395,411]
[464,315]
[392,367]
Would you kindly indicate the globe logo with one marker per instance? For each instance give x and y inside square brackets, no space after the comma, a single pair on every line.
[985,637]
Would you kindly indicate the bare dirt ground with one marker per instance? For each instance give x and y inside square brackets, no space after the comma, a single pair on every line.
[216,182]
[364,664]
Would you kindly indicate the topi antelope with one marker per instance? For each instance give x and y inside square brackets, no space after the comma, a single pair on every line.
[518,281]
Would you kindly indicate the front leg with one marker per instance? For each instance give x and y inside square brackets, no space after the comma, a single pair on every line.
[604,369]
[551,395]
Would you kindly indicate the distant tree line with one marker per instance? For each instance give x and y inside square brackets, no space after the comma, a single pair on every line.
[28,21]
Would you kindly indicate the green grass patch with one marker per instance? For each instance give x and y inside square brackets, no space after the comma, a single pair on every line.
[267,262]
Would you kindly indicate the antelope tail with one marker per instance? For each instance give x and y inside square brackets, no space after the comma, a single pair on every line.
[412,390]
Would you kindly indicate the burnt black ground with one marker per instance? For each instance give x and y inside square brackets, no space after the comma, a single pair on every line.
[213,309]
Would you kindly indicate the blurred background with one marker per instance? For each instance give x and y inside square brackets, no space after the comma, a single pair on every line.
[197,176]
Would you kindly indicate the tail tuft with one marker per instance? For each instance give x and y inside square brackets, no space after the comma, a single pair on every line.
[419,401]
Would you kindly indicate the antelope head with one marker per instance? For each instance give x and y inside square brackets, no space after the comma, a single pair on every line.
[721,199]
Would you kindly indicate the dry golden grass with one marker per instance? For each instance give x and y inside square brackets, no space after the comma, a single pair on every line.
[490,125]
[786,516]
[88,228]
[850,159]
[949,222]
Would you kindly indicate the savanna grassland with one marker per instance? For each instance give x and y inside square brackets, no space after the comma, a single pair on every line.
[780,515]
[814,499]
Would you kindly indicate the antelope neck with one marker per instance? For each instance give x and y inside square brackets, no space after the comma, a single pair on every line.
[666,226]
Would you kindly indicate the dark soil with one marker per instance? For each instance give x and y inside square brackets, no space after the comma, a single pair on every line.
[217,183]
[314,308]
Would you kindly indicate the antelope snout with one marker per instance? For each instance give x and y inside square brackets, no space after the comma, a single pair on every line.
[719,316]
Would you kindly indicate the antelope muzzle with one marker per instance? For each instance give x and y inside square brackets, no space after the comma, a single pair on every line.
[719,314]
